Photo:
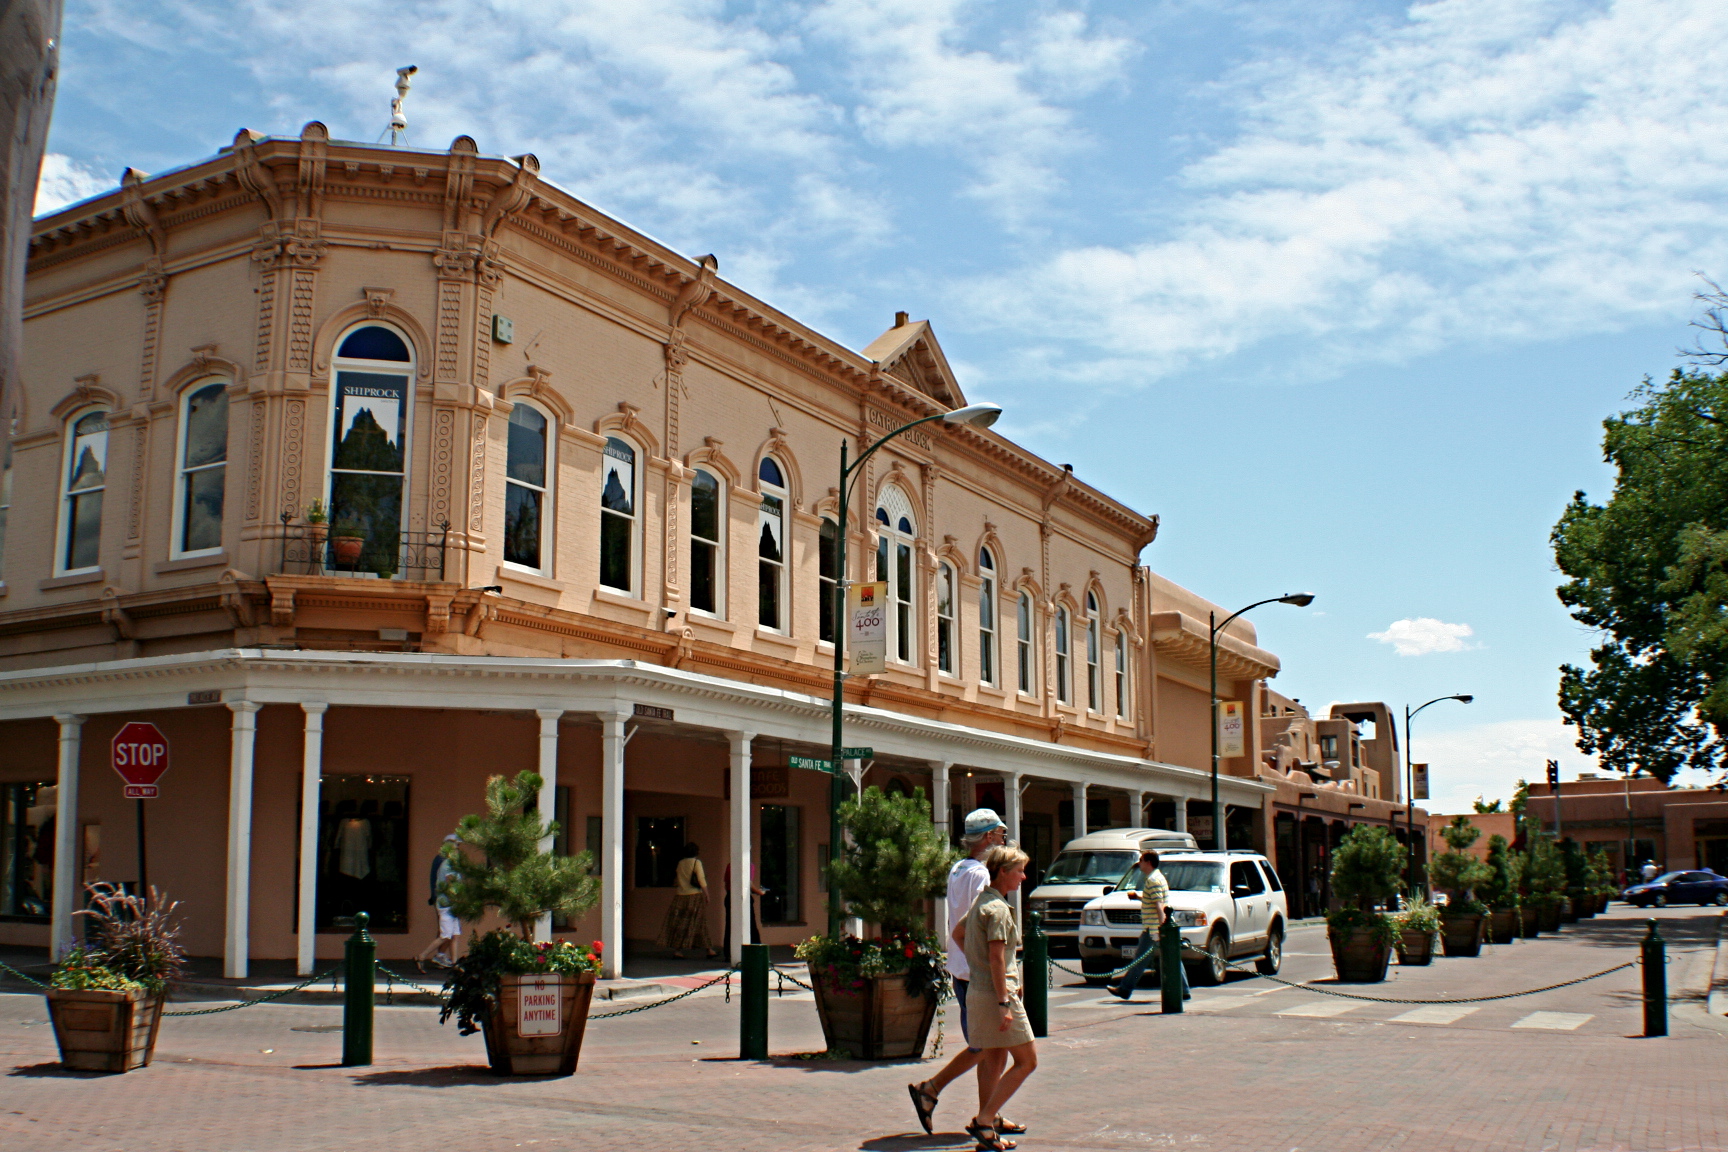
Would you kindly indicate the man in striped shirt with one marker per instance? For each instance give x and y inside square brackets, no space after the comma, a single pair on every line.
[1154,909]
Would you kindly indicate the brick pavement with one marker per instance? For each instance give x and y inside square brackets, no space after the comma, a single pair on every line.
[1112,1076]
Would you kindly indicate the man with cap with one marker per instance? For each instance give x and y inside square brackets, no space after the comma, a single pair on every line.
[442,950]
[984,830]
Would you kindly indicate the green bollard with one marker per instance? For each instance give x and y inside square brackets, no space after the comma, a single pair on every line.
[1169,967]
[360,970]
[1654,953]
[753,1004]
[1035,990]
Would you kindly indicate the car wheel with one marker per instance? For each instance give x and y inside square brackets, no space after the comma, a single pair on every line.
[1212,970]
[1273,958]
[1721,899]
[1661,901]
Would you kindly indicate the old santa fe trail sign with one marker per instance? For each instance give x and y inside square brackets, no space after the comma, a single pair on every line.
[140,755]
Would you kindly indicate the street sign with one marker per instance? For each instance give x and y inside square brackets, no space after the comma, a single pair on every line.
[1419,781]
[857,753]
[867,627]
[1232,724]
[140,755]
[540,1007]
[809,764]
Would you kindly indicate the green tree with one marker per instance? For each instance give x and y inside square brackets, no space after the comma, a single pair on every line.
[1544,879]
[1368,867]
[1648,570]
[1484,807]
[1457,872]
[896,859]
[511,872]
[1505,873]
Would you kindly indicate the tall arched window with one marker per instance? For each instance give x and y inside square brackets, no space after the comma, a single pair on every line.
[1063,689]
[1023,641]
[707,544]
[827,578]
[527,493]
[85,476]
[986,617]
[947,658]
[771,548]
[618,516]
[203,469]
[1122,674]
[894,544]
[1094,686]
[374,372]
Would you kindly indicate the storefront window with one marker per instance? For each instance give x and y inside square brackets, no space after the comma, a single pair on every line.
[363,864]
[659,847]
[779,872]
[27,839]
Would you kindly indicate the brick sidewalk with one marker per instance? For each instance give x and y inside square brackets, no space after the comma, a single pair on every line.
[1112,1077]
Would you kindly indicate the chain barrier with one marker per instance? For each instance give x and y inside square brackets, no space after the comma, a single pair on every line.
[794,979]
[254,1002]
[27,978]
[726,976]
[390,979]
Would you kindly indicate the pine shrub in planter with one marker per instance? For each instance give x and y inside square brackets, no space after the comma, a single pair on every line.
[1544,882]
[1367,869]
[105,997]
[1458,873]
[1500,892]
[876,997]
[1579,903]
[530,998]
[1600,877]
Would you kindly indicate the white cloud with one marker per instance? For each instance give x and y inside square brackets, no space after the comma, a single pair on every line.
[1488,760]
[1421,635]
[65,181]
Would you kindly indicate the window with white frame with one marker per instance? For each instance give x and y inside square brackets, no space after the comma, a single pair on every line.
[618,516]
[827,579]
[771,548]
[986,617]
[374,370]
[1122,674]
[1023,641]
[202,475]
[84,473]
[1063,692]
[1094,687]
[527,492]
[947,659]
[707,543]
[894,543]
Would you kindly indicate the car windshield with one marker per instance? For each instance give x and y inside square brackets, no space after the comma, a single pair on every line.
[1181,875]
[1094,867]
[1668,877]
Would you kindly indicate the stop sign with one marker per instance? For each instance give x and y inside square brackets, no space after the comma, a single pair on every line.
[140,755]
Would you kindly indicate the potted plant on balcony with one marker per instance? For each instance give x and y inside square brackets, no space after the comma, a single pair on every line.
[1544,880]
[1458,873]
[876,997]
[529,997]
[1367,867]
[317,527]
[347,541]
[105,997]
[1501,892]
[1418,924]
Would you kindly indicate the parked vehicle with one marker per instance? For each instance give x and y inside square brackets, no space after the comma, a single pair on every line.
[1087,867]
[1701,887]
[1227,904]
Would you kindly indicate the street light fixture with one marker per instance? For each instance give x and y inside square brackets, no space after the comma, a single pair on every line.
[1410,787]
[973,416]
[1301,600]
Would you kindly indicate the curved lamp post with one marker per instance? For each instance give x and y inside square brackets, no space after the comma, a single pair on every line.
[1410,786]
[973,415]
[1301,600]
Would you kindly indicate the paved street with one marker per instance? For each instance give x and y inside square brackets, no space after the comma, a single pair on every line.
[1252,1065]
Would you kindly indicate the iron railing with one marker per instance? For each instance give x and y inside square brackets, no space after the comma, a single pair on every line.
[312,550]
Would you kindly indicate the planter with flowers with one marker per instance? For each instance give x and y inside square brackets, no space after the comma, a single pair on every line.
[105,997]
[529,997]
[1367,867]
[877,997]
[1418,924]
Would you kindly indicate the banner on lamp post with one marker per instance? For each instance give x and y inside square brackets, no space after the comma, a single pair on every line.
[1232,728]
[867,627]
[1419,781]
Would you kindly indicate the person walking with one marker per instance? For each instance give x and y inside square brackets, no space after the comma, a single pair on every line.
[982,831]
[990,936]
[1154,910]
[686,924]
[449,928]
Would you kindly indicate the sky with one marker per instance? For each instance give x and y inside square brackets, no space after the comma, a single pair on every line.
[1342,291]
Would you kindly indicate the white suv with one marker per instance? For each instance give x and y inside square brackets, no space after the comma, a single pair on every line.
[1229,904]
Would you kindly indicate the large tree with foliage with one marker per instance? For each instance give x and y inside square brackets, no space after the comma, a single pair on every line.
[1649,571]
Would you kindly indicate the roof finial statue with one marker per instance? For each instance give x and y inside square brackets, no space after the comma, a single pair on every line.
[399,120]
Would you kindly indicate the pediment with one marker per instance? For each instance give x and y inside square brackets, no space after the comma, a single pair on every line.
[909,353]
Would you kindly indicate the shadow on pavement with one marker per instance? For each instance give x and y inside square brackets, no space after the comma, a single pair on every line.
[911,1142]
[53,1068]
[445,1076]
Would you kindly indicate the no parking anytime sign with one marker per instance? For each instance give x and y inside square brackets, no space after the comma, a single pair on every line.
[140,755]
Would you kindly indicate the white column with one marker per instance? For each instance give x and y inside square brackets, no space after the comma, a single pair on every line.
[940,815]
[1137,818]
[548,769]
[1079,810]
[612,842]
[237,938]
[1181,813]
[739,888]
[311,777]
[1011,801]
[68,853]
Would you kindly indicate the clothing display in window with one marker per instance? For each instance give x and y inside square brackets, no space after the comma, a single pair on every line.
[354,839]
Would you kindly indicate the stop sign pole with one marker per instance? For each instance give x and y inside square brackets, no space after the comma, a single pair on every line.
[139,754]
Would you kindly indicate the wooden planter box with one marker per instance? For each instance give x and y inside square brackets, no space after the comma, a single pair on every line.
[880,1021]
[1529,924]
[537,1027]
[1548,918]
[104,1031]
[1461,935]
[1415,948]
[1503,926]
[1359,958]
[1568,911]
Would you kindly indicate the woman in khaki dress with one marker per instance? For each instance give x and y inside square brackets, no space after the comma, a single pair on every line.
[991,938]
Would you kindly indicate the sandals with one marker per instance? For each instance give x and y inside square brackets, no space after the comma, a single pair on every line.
[1005,1125]
[988,1140]
[925,1104]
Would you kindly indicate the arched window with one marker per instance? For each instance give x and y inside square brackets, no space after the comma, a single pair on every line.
[527,492]
[947,659]
[827,578]
[85,476]
[894,564]
[986,617]
[1023,642]
[1122,674]
[374,372]
[707,544]
[1094,688]
[771,548]
[618,516]
[203,469]
[1063,692]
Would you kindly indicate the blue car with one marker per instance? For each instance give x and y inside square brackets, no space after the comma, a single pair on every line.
[1702,887]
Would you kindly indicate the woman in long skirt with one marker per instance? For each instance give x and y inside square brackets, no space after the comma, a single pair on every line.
[686,923]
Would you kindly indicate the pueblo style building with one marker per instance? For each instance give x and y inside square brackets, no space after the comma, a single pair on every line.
[366,472]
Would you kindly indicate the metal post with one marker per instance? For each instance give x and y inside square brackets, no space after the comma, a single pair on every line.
[753,1004]
[143,873]
[1409,806]
[1653,952]
[1218,842]
[836,789]
[1035,987]
[1169,966]
[360,972]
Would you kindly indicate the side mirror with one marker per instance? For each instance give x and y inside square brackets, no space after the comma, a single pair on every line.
[1238,890]
[1109,888]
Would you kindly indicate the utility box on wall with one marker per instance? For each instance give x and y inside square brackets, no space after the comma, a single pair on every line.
[503,329]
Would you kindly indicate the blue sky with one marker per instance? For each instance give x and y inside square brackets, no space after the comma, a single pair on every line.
[1342,291]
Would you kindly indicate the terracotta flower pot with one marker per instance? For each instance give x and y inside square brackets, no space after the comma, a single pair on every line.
[536,1028]
[1461,933]
[1358,957]
[315,534]
[1503,926]
[879,1021]
[104,1031]
[1415,948]
[347,550]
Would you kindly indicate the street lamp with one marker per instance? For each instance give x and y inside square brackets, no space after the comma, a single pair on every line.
[1410,786]
[973,415]
[1301,600]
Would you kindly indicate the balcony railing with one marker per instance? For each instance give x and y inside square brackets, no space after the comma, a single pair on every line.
[313,550]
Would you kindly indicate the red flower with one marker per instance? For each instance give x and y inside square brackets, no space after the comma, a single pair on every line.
[910,951]
[598,945]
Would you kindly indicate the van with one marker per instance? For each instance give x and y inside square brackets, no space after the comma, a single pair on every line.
[1088,866]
